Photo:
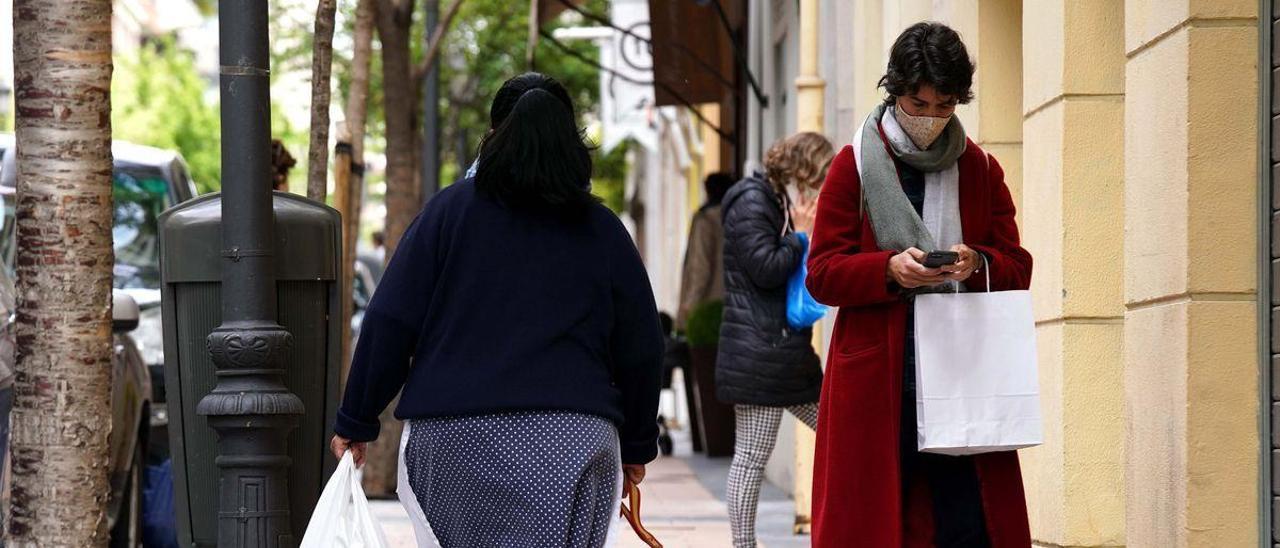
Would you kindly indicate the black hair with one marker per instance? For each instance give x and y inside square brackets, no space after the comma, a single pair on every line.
[716,185]
[535,156]
[929,54]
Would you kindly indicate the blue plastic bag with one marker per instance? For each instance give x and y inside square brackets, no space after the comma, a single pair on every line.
[159,524]
[802,310]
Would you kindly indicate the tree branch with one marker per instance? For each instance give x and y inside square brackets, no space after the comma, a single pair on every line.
[433,49]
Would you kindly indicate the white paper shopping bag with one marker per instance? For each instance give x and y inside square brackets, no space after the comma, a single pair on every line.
[977,387]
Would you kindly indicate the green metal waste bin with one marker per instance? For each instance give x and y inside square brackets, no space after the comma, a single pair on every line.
[307,251]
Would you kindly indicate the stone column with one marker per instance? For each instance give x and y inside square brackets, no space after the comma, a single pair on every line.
[1190,191]
[810,110]
[1073,223]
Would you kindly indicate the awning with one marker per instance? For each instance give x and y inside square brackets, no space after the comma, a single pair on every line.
[550,9]
[693,56]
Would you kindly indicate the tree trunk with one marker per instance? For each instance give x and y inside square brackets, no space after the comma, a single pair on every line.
[398,95]
[398,89]
[342,203]
[321,64]
[355,119]
[62,415]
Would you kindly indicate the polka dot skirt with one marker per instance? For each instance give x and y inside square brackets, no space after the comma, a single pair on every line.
[515,480]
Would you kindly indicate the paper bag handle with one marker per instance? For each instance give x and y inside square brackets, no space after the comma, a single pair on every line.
[986,269]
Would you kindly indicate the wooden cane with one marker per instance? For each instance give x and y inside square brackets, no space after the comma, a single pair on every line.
[632,515]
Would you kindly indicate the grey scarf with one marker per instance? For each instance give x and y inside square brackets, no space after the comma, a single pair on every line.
[896,224]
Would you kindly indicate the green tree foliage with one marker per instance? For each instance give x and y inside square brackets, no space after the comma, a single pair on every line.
[158,99]
[485,47]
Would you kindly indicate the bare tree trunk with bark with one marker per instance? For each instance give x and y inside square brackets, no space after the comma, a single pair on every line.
[394,19]
[321,66]
[355,118]
[62,415]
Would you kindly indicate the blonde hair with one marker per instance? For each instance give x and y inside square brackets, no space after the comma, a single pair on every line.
[801,159]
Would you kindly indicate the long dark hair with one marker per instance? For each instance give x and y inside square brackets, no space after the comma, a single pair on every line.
[534,156]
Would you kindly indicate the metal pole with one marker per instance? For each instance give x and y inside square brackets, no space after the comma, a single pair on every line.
[249,407]
[431,111]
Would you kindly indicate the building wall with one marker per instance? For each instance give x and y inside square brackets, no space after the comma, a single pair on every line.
[1128,133]
[1191,372]
[1073,223]
[661,182]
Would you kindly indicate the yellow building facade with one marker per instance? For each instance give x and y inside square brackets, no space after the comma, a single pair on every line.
[1129,132]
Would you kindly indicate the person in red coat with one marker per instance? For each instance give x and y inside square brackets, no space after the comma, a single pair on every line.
[912,182]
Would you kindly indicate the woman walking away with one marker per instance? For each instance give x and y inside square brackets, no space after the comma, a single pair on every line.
[764,366]
[910,183]
[702,279]
[519,321]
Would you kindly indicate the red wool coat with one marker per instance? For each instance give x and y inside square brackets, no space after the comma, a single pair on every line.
[858,497]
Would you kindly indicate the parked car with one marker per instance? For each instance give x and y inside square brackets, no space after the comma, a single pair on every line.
[145,182]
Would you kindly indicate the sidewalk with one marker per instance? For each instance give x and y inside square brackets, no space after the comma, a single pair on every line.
[683,507]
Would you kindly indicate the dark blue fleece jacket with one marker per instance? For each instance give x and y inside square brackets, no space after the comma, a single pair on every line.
[485,309]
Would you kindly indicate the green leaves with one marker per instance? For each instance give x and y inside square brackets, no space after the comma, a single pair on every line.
[158,100]
[703,330]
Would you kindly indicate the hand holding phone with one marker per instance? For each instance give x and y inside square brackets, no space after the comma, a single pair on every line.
[908,271]
[939,259]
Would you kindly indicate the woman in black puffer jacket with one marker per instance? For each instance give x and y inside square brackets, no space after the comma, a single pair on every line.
[764,366]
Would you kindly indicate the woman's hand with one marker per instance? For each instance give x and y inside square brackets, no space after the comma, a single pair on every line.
[969,263]
[632,474]
[340,445]
[803,213]
[908,271]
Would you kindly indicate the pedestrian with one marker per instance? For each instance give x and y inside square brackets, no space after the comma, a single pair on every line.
[281,164]
[379,240]
[764,366]
[518,319]
[702,279]
[911,182]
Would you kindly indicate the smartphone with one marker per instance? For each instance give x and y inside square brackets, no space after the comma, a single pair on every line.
[939,259]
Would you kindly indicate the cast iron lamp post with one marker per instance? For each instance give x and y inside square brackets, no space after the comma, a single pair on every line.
[250,407]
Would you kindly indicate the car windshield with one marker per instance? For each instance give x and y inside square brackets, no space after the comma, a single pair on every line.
[140,194]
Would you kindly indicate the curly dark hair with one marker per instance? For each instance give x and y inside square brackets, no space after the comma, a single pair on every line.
[929,54]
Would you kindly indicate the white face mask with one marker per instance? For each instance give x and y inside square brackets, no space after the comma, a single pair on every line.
[923,130]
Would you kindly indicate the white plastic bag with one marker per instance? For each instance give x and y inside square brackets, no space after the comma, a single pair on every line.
[977,388]
[342,518]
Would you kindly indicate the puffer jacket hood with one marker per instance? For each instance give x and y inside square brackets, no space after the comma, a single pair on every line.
[762,361]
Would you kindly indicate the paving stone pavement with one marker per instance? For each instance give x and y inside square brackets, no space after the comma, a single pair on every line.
[683,507]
